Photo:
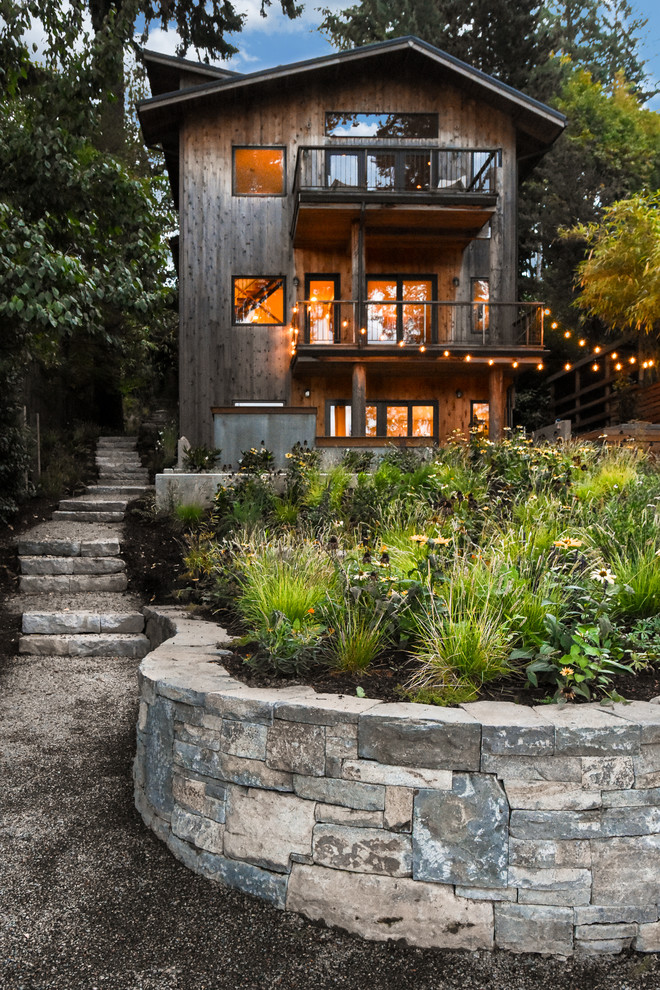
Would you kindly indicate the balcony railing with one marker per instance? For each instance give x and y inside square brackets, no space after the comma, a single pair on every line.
[346,169]
[377,323]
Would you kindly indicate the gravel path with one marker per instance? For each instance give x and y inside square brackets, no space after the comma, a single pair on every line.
[91,900]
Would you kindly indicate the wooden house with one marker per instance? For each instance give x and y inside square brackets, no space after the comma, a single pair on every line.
[347,248]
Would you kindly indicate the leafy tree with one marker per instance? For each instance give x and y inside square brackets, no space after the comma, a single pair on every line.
[620,277]
[83,262]
[609,151]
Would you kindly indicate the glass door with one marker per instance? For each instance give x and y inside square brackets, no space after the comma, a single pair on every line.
[322,318]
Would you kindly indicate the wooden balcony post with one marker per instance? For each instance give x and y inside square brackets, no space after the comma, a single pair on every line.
[358,270]
[359,401]
[495,402]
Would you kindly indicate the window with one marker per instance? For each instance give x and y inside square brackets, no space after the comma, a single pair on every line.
[480,307]
[479,416]
[398,309]
[259,300]
[385,418]
[346,123]
[322,313]
[259,172]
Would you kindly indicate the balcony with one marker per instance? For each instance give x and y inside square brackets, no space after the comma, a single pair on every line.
[337,182]
[336,329]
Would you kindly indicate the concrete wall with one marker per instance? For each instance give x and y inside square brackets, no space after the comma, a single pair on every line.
[479,827]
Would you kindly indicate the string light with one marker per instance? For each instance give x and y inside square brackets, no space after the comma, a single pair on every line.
[546,312]
[651,363]
[618,366]
[582,343]
[596,350]
[540,365]
[401,343]
[595,366]
[363,331]
[554,325]
[491,362]
[567,334]
[422,349]
[446,353]
[632,360]
[614,355]
[568,366]
[515,364]
[468,357]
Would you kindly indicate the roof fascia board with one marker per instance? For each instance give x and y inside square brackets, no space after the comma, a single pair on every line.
[188,64]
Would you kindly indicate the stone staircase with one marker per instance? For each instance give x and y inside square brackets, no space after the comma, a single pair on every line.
[77,562]
[121,478]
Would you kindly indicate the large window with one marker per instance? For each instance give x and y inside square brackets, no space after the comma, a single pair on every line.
[480,416]
[350,124]
[259,172]
[258,299]
[385,418]
[399,310]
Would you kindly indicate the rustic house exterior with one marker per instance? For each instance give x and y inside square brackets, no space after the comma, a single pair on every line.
[347,249]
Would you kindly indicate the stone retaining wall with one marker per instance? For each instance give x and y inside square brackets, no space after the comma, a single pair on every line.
[489,825]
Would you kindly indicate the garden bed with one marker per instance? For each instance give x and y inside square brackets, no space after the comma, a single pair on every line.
[500,571]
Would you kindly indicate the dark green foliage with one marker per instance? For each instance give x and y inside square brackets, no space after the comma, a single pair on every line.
[201,458]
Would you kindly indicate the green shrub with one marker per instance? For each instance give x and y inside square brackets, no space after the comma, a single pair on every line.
[201,458]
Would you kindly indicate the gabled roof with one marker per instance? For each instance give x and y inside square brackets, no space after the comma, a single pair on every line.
[161,114]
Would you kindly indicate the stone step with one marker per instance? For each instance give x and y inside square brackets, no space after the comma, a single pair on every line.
[86,645]
[58,623]
[92,505]
[116,466]
[88,517]
[68,548]
[38,584]
[132,462]
[117,441]
[71,565]
[131,491]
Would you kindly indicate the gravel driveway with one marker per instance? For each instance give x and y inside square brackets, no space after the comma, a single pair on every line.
[89,898]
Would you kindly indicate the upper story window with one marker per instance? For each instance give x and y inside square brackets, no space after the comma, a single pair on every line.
[260,300]
[259,172]
[348,124]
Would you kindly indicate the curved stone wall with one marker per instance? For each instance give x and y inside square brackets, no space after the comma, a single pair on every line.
[489,825]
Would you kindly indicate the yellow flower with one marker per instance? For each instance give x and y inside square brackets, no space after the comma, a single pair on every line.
[566,671]
[442,541]
[567,542]
[417,538]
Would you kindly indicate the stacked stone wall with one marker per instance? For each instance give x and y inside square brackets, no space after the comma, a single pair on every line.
[489,825]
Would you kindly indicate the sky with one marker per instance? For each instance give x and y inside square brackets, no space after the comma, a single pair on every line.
[276,40]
